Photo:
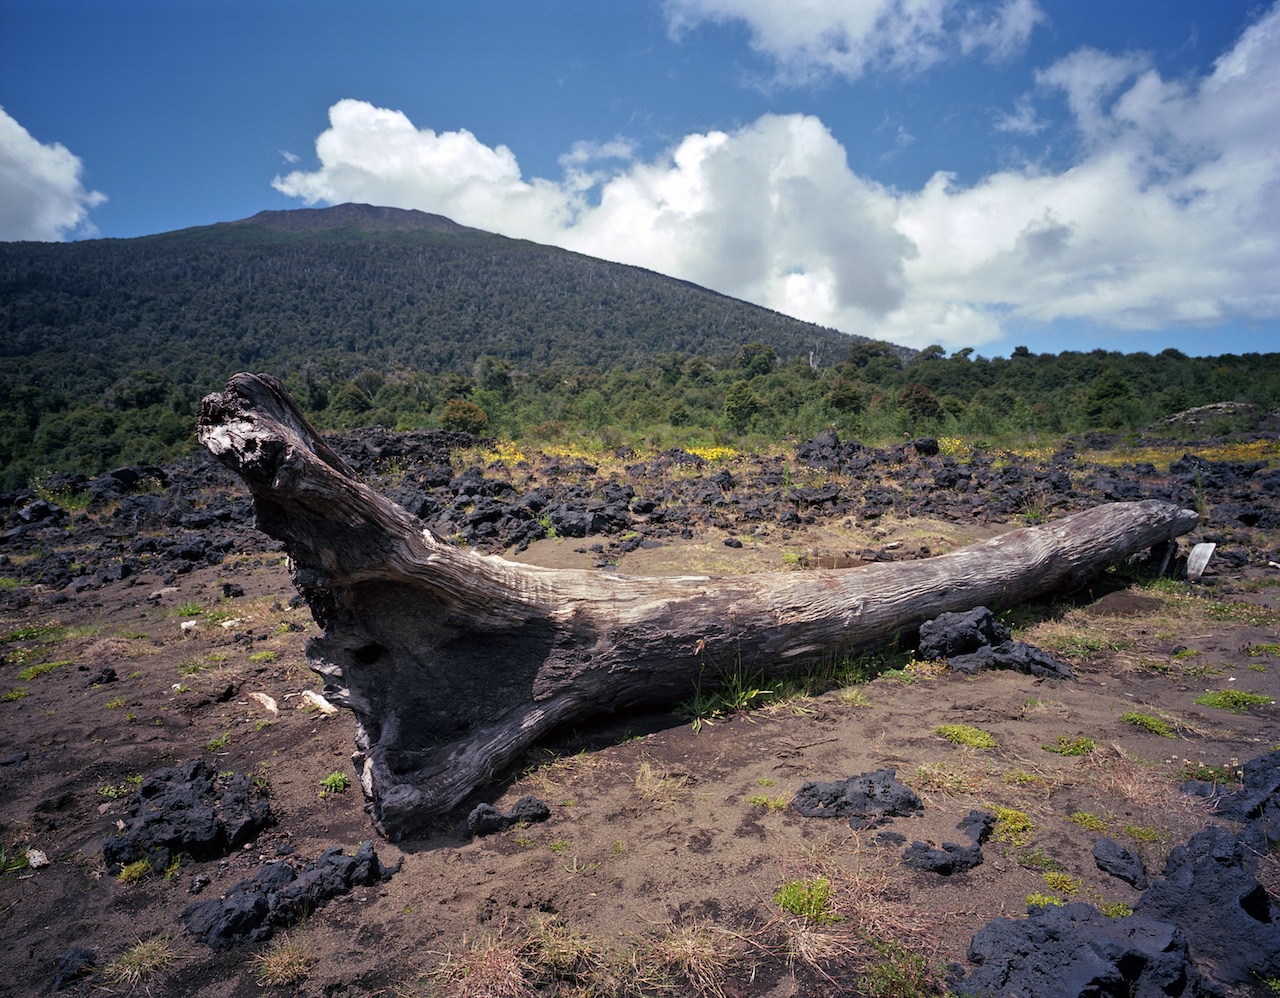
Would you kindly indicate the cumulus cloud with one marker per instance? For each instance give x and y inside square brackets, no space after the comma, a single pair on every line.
[41,195]
[823,38]
[1169,214]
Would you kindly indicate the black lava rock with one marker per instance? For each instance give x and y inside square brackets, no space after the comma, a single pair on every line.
[950,857]
[866,800]
[187,810]
[1075,951]
[485,819]
[1209,891]
[278,896]
[975,641]
[951,634]
[1118,861]
[73,966]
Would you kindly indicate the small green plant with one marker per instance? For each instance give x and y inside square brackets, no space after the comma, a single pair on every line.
[219,743]
[47,632]
[1236,701]
[1012,826]
[560,847]
[1230,773]
[336,783]
[135,872]
[810,899]
[1037,859]
[896,972]
[966,734]
[14,694]
[12,862]
[1043,900]
[174,869]
[1155,725]
[1071,746]
[1114,909]
[32,671]
[1062,882]
[115,703]
[851,696]
[189,610]
[771,803]
[113,791]
[1088,821]
[1145,834]
[1265,650]
[263,657]
[735,691]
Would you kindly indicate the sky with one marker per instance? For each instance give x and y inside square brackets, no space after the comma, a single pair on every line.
[1056,174]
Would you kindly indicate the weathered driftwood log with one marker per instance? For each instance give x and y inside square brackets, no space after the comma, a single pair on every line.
[454,662]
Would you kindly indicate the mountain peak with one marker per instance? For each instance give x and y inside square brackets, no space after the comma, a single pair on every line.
[371,218]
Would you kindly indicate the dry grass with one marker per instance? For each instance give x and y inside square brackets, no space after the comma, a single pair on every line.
[146,959]
[697,957]
[488,968]
[946,778]
[550,773]
[1112,773]
[880,930]
[287,960]
[660,787]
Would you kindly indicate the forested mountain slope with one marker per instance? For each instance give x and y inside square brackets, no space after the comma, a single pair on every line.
[348,288]
[405,319]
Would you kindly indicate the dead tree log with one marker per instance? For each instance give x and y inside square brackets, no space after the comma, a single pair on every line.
[454,662]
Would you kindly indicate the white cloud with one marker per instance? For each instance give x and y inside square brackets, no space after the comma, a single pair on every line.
[1022,120]
[1003,35]
[1169,215]
[41,195]
[809,40]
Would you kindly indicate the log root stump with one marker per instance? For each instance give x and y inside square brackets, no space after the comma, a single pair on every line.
[454,662]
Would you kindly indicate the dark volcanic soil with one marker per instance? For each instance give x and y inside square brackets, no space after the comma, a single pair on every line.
[144,624]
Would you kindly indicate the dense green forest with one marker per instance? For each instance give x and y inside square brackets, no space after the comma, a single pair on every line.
[373,316]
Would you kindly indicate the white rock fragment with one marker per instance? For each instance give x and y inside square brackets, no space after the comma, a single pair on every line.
[266,700]
[319,702]
[36,859]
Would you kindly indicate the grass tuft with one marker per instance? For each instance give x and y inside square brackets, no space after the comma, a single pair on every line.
[1155,725]
[810,899]
[1071,746]
[141,962]
[966,734]
[288,960]
[1012,826]
[1236,701]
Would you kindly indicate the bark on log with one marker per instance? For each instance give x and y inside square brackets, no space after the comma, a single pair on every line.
[454,663]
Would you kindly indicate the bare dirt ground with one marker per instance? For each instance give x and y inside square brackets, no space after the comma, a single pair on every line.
[659,869]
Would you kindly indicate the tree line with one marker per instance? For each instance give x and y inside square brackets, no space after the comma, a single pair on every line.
[744,399]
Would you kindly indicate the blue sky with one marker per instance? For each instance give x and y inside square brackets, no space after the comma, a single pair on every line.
[974,173]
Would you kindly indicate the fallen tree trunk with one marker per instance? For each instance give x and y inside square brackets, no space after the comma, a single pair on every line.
[454,663]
